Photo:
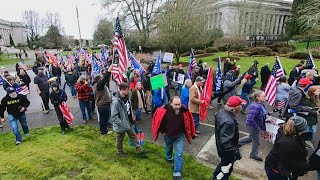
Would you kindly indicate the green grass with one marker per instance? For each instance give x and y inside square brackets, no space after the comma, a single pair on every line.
[303,45]
[245,62]
[85,154]
[4,60]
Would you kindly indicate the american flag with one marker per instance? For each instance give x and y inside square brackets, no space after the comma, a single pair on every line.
[310,63]
[192,64]
[271,89]
[120,61]
[24,90]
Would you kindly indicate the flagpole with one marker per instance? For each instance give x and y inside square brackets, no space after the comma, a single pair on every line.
[80,44]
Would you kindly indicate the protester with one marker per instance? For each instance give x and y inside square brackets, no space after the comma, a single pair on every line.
[229,86]
[147,87]
[185,93]
[287,158]
[282,94]
[159,98]
[296,97]
[134,79]
[295,73]
[179,86]
[227,135]
[138,101]
[195,73]
[227,65]
[92,101]
[16,105]
[71,79]
[42,87]
[247,89]
[253,70]
[25,78]
[255,124]
[174,121]
[205,70]
[102,98]
[265,73]
[58,96]
[123,119]
[195,101]
[200,67]
[83,89]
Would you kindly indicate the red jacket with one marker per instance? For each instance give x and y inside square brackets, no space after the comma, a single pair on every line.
[133,83]
[83,91]
[188,123]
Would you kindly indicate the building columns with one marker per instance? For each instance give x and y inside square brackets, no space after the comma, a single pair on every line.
[276,25]
[281,25]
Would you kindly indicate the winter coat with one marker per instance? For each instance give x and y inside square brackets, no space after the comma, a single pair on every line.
[311,117]
[288,155]
[188,122]
[226,132]
[156,98]
[265,73]
[119,116]
[13,105]
[185,96]
[296,96]
[194,99]
[25,78]
[228,85]
[57,98]
[135,99]
[257,116]
[83,91]
[248,86]
[294,75]
[71,79]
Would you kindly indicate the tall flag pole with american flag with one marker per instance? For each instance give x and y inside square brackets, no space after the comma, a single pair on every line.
[310,62]
[271,89]
[120,55]
[192,64]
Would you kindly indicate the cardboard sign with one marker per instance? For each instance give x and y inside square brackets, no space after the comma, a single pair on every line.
[180,79]
[272,126]
[168,57]
[158,81]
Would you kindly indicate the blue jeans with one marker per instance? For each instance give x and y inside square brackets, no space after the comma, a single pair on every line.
[318,178]
[14,125]
[83,106]
[178,89]
[104,116]
[138,113]
[254,137]
[178,145]
[226,159]
[245,96]
[196,118]
[73,90]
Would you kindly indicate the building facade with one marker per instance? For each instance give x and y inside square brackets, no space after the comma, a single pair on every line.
[17,30]
[261,19]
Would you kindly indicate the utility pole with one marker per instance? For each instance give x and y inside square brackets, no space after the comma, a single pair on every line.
[80,42]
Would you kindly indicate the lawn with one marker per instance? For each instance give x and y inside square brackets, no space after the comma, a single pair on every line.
[85,154]
[4,60]
[245,62]
[303,45]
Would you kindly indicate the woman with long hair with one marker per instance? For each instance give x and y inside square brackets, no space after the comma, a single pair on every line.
[287,158]
[282,94]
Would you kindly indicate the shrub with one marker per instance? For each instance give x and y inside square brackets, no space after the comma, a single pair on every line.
[261,51]
[234,43]
[185,54]
[198,52]
[281,47]
[210,50]
[299,55]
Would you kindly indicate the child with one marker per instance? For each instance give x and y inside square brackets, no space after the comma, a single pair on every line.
[57,96]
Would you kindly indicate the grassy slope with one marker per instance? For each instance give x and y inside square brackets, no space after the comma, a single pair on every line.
[4,60]
[85,154]
[246,62]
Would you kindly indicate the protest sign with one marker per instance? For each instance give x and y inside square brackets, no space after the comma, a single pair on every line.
[168,57]
[180,79]
[158,81]
[272,126]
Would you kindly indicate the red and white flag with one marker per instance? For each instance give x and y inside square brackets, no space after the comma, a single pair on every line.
[120,55]
[206,95]
[271,89]
[66,112]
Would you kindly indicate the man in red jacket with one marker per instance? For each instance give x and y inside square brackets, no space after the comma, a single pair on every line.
[83,89]
[175,122]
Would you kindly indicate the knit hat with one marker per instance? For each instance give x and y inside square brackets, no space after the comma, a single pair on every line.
[300,123]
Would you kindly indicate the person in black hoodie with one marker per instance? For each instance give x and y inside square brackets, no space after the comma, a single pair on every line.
[16,105]
[57,96]
[287,158]
[25,78]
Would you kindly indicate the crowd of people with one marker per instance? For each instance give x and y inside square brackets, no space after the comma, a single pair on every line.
[178,118]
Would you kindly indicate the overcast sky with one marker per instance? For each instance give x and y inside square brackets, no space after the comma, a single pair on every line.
[89,11]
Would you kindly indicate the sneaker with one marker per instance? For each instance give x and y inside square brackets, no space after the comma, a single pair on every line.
[109,132]
[27,134]
[18,142]
[177,178]
[46,111]
[198,132]
[257,159]
[170,161]
[63,132]
[122,155]
[85,121]
[1,125]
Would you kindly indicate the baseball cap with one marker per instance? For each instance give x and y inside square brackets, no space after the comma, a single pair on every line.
[247,76]
[305,81]
[235,101]
[10,90]
[300,123]
[200,79]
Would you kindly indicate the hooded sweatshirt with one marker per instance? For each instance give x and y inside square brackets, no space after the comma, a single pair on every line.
[13,105]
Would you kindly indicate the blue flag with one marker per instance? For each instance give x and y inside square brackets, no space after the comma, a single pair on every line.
[218,79]
[157,67]
[95,67]
[135,63]
[103,58]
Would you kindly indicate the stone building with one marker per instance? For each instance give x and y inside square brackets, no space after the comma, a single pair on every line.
[262,19]
[17,30]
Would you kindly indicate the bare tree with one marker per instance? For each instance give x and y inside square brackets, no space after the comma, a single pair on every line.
[140,12]
[34,24]
[53,19]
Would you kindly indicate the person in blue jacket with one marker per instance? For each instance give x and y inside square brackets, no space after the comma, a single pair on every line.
[159,98]
[247,89]
[185,92]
